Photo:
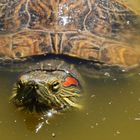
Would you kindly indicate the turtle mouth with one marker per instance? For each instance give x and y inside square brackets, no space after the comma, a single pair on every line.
[28,97]
[36,97]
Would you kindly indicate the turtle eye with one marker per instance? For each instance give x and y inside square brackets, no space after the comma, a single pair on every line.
[55,86]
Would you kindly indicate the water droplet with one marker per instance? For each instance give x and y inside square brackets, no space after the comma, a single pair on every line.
[110,103]
[96,124]
[137,119]
[92,96]
[107,74]
[128,22]
[53,134]
[123,70]
[49,114]
[118,132]
[91,126]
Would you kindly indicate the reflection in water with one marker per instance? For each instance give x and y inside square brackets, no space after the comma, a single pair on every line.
[34,123]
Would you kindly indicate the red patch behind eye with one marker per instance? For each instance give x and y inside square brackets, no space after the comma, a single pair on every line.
[70,81]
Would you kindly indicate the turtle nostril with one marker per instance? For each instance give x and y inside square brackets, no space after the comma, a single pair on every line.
[32,84]
[29,84]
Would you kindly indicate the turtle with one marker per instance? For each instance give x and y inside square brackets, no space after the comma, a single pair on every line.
[48,41]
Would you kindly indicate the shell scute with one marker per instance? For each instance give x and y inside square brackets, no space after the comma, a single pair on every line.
[95,30]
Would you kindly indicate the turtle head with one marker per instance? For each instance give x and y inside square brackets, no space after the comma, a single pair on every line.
[44,90]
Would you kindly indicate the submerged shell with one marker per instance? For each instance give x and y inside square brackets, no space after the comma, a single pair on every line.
[95,30]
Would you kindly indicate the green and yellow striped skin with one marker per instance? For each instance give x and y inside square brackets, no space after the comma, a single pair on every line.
[46,87]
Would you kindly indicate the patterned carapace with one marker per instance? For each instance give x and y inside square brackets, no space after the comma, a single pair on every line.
[87,29]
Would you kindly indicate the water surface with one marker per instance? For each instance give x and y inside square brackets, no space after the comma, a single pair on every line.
[111,112]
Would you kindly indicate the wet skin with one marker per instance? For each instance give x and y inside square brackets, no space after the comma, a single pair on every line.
[45,89]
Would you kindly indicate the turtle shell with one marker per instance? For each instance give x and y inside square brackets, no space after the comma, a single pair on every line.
[95,30]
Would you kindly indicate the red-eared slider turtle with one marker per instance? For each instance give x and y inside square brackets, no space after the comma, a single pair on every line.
[95,32]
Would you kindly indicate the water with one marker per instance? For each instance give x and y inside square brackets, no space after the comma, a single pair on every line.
[111,111]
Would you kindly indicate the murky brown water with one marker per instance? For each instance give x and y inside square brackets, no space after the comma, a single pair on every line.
[111,112]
